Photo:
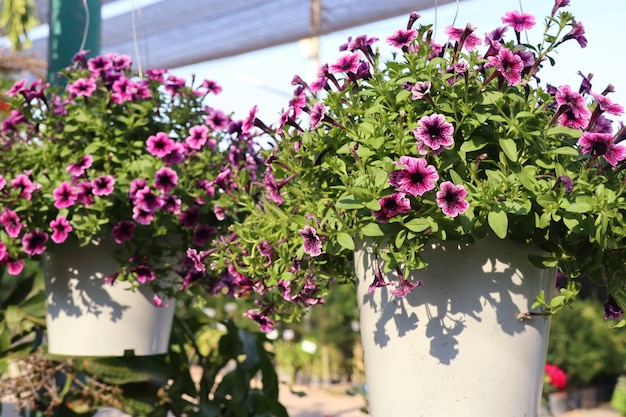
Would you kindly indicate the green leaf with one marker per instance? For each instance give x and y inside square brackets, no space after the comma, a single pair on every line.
[566,150]
[345,240]
[349,202]
[578,207]
[543,261]
[499,222]
[417,225]
[373,205]
[372,230]
[509,148]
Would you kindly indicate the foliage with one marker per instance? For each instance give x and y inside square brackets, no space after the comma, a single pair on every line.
[436,142]
[585,347]
[618,400]
[17,17]
[237,377]
[139,159]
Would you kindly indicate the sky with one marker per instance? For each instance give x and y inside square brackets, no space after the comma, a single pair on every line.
[264,77]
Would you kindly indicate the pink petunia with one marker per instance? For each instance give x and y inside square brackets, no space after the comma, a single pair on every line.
[312,242]
[11,222]
[434,132]
[416,178]
[602,144]
[159,145]
[61,228]
[519,21]
[65,195]
[391,206]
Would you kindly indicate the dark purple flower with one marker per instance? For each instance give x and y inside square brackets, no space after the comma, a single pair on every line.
[136,185]
[165,179]
[123,231]
[146,200]
[557,5]
[217,119]
[143,273]
[266,249]
[612,310]
[12,121]
[391,206]
[203,234]
[262,319]
[566,182]
[577,33]
[142,216]
[189,218]
[451,199]
[312,242]
[34,243]
[405,287]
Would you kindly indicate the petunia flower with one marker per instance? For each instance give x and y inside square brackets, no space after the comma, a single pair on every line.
[416,178]
[312,242]
[165,179]
[60,229]
[78,168]
[391,206]
[451,199]
[103,185]
[11,222]
[198,136]
[434,132]
[159,145]
[402,38]
[65,195]
[123,231]
[602,144]
[519,21]
[34,243]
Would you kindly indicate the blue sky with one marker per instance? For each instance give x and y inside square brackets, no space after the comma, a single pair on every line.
[263,77]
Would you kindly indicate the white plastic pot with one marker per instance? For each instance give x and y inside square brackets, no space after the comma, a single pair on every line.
[455,346]
[87,317]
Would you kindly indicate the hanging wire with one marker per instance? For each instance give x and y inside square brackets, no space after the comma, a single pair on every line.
[86,30]
[521,9]
[456,12]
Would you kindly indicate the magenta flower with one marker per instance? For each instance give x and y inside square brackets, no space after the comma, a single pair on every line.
[217,119]
[99,64]
[220,212]
[143,273]
[82,87]
[402,38]
[434,132]
[78,168]
[602,144]
[15,266]
[312,242]
[176,155]
[60,229]
[17,88]
[509,65]
[123,231]
[142,216]
[84,193]
[272,188]
[189,218]
[451,199]
[34,243]
[146,200]
[577,33]
[203,234]
[165,179]
[3,182]
[23,183]
[265,323]
[391,206]
[159,145]
[171,203]
[11,222]
[317,114]
[416,178]
[103,185]
[420,89]
[212,86]
[136,185]
[404,287]
[606,105]
[346,63]
[65,195]
[519,21]
[198,136]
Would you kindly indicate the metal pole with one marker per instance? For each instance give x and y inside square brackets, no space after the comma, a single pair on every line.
[74,26]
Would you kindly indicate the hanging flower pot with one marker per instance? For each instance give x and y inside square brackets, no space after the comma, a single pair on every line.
[88,317]
[457,346]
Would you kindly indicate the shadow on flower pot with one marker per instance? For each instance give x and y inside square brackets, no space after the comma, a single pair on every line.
[482,287]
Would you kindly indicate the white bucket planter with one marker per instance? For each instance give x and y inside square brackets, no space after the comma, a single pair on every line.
[86,317]
[455,346]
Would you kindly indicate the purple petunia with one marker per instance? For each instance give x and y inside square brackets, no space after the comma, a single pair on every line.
[346,63]
[146,200]
[23,183]
[402,38]
[165,179]
[451,199]
[143,273]
[317,114]
[65,195]
[519,21]
[34,243]
[123,231]
[602,144]
[416,178]
[391,206]
[82,87]
[61,228]
[197,138]
[103,185]
[312,242]
[78,168]
[434,132]
[11,222]
[159,145]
